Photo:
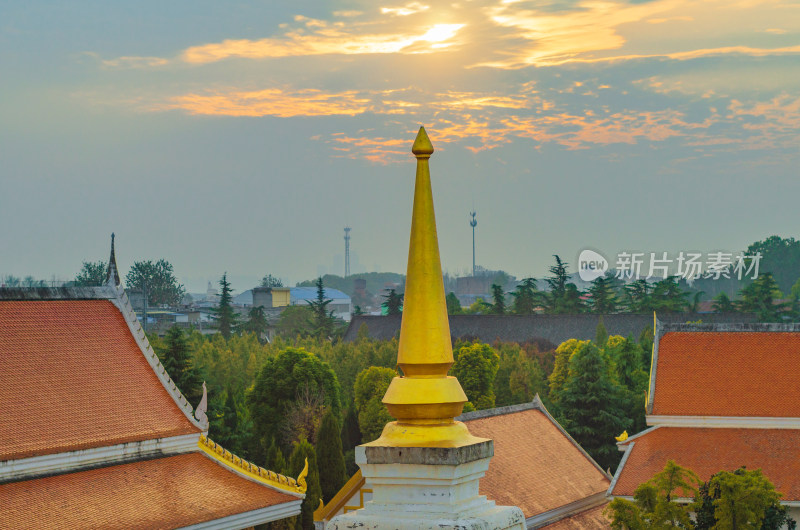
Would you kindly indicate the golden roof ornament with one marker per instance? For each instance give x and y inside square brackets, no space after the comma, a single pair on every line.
[425,400]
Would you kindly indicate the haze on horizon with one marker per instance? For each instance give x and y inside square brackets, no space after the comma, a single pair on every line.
[244,138]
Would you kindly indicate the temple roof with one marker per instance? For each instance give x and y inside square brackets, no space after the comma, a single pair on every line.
[734,370]
[536,465]
[590,519]
[709,450]
[73,377]
[95,434]
[169,492]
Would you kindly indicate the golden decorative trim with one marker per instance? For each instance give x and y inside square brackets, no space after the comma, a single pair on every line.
[251,470]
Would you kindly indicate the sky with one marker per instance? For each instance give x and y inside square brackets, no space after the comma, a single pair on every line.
[242,137]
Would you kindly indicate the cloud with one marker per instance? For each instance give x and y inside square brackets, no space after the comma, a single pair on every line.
[128,62]
[325,39]
[408,9]
[281,103]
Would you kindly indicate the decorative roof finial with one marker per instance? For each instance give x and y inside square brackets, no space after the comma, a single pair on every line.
[425,400]
[112,275]
[202,407]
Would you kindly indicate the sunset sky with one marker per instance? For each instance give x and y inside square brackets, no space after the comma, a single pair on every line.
[243,136]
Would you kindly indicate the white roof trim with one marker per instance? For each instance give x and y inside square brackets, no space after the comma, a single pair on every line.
[37,466]
[568,510]
[619,469]
[252,518]
[621,445]
[123,304]
[732,422]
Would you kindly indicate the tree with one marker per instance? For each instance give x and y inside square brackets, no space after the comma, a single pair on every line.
[256,322]
[453,305]
[637,296]
[652,507]
[602,298]
[92,273]
[393,303]
[780,257]
[519,378]
[525,297]
[159,280]
[499,299]
[475,367]
[178,363]
[271,281]
[226,317]
[740,499]
[330,460]
[588,403]
[563,354]
[600,334]
[275,460]
[668,297]
[281,381]
[761,297]
[304,452]
[722,304]
[295,321]
[322,319]
[370,387]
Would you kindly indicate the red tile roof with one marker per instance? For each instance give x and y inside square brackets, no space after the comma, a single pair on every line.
[590,519]
[535,466]
[709,450]
[167,492]
[73,377]
[728,374]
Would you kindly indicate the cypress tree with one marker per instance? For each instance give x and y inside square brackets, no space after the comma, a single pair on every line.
[302,451]
[332,473]
[275,460]
[351,433]
[226,317]
[499,299]
[589,404]
[179,365]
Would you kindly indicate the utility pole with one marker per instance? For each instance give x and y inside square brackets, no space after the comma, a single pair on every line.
[346,251]
[473,223]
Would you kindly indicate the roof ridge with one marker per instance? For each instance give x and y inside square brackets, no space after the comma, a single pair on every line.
[253,471]
[122,303]
[57,293]
[500,411]
[756,327]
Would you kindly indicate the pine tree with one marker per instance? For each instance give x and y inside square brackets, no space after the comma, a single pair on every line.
[602,300]
[525,297]
[256,322]
[323,319]
[302,451]
[453,305]
[351,435]
[332,473]
[179,365]
[393,303]
[275,460]
[600,334]
[226,317]
[588,404]
[499,299]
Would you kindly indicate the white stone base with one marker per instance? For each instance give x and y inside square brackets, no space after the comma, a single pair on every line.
[424,488]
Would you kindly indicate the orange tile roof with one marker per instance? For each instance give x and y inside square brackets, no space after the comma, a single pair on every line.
[535,466]
[708,450]
[590,519]
[167,492]
[723,374]
[73,377]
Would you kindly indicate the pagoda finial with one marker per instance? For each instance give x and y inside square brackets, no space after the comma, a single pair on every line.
[425,400]
[112,275]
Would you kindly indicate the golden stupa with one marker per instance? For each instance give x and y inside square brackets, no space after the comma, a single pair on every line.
[425,400]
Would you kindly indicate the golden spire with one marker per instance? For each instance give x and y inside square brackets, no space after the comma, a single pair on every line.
[425,400]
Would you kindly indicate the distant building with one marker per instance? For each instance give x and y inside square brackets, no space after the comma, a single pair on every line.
[341,304]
